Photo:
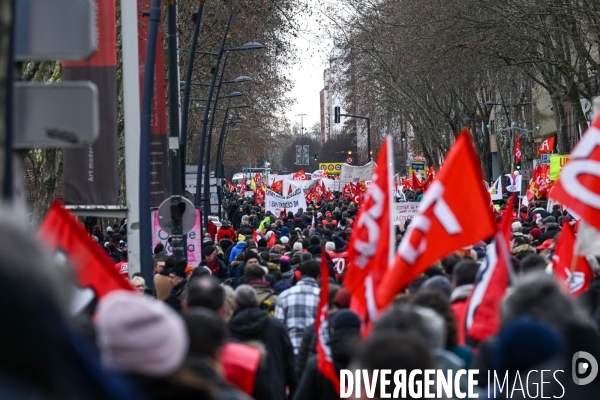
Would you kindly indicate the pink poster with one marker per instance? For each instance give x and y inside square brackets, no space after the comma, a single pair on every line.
[194,246]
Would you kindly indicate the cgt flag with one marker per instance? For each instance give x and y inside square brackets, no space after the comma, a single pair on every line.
[371,248]
[578,186]
[92,266]
[324,358]
[482,318]
[445,221]
[577,281]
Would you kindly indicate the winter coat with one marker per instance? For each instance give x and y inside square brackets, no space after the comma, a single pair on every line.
[264,291]
[288,277]
[254,324]
[226,230]
[275,271]
[218,269]
[313,384]
[308,348]
[550,233]
[201,367]
[523,251]
[237,249]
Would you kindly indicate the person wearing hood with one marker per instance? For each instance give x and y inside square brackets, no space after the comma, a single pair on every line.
[287,273]
[463,280]
[252,324]
[285,231]
[256,277]
[225,230]
[238,248]
[344,332]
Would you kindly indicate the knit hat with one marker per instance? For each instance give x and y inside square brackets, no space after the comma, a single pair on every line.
[189,268]
[284,264]
[339,243]
[262,242]
[330,246]
[439,283]
[109,229]
[342,298]
[140,335]
[297,246]
[250,255]
[345,319]
[524,343]
[516,226]
[241,238]
[535,233]
[284,239]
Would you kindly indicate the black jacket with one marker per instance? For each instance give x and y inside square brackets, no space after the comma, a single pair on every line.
[315,386]
[308,348]
[254,324]
[219,270]
[550,233]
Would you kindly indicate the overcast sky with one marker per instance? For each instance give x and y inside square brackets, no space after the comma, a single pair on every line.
[308,74]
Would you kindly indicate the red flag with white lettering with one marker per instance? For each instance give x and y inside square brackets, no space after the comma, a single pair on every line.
[547,146]
[448,219]
[299,176]
[324,358]
[92,266]
[574,282]
[518,154]
[482,317]
[371,248]
[578,186]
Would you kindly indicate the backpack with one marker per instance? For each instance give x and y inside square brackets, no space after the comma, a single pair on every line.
[268,305]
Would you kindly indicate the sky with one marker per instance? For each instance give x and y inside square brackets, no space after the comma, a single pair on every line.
[308,74]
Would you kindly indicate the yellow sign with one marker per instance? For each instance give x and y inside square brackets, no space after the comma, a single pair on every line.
[557,162]
[419,168]
[331,167]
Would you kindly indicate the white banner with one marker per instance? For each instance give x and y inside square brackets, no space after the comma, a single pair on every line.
[318,174]
[495,190]
[404,211]
[353,174]
[276,203]
[332,184]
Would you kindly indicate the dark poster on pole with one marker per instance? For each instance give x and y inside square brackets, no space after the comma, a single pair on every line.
[90,173]
[159,143]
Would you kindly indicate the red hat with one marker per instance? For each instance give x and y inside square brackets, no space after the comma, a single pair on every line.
[535,233]
[546,245]
[189,268]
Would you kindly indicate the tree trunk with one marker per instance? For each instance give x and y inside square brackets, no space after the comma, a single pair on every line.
[47,170]
[562,135]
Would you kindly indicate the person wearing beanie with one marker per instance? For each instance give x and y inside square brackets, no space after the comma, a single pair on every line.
[344,332]
[287,274]
[143,338]
[251,258]
[238,248]
[178,280]
[535,233]
[284,239]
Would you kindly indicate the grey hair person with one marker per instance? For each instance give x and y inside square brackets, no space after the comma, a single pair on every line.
[245,296]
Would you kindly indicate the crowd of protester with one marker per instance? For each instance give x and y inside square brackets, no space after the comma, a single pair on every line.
[241,324]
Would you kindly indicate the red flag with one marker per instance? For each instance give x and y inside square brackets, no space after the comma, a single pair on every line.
[482,318]
[299,176]
[416,183]
[578,186]
[371,248]
[259,195]
[547,146]
[429,179]
[258,179]
[518,149]
[284,213]
[243,187]
[324,359]
[277,187]
[575,282]
[407,183]
[255,236]
[93,267]
[448,219]
[272,240]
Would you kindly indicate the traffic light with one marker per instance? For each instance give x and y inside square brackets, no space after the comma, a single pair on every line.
[518,166]
[403,136]
[315,157]
[336,115]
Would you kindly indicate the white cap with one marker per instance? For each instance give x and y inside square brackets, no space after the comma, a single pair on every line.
[516,226]
[284,239]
